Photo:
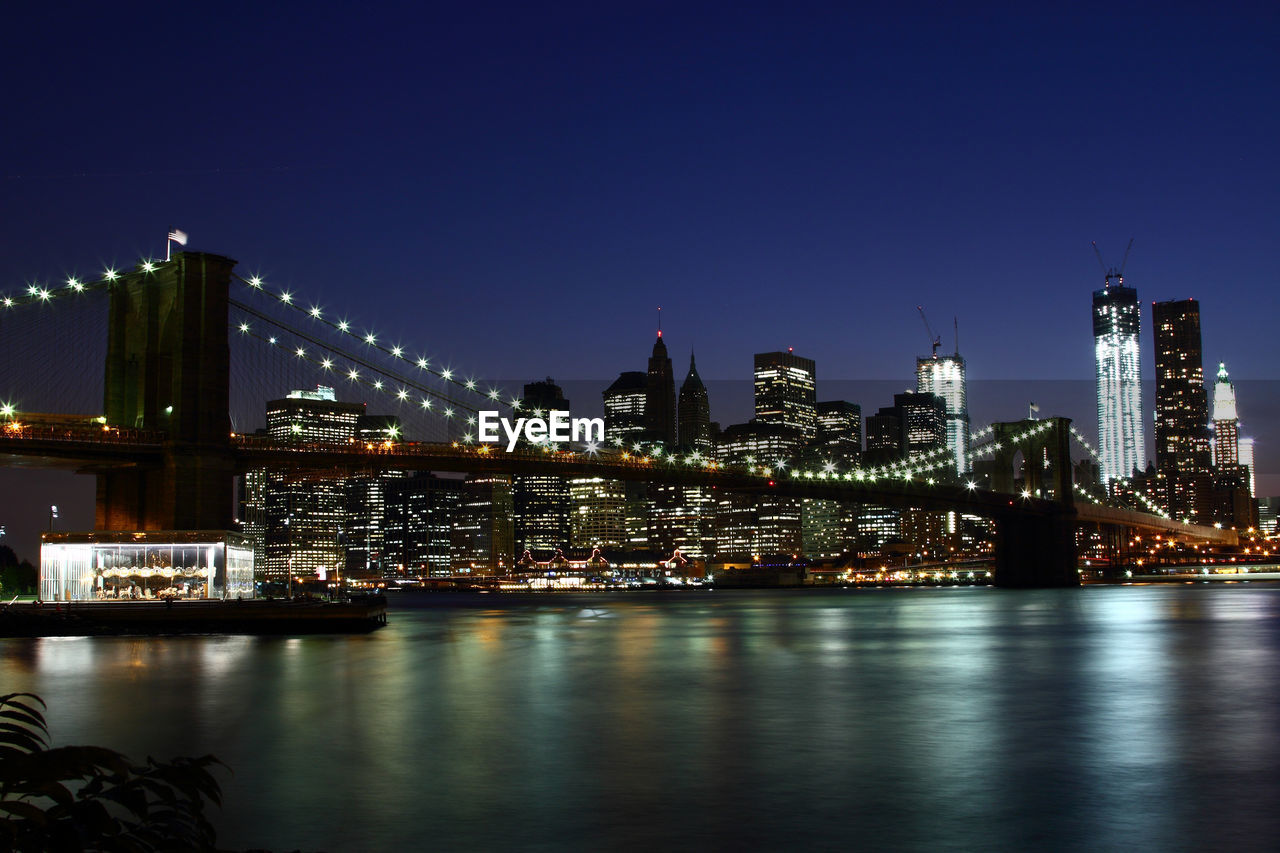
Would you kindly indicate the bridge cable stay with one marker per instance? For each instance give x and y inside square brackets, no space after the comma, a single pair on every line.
[406,381]
[46,337]
[315,314]
[279,357]
[326,375]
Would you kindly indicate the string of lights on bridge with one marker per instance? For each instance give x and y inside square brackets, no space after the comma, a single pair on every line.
[38,293]
[371,339]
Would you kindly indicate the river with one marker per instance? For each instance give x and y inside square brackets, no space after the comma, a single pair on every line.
[1102,718]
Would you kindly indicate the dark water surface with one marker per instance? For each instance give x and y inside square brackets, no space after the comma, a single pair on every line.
[931,719]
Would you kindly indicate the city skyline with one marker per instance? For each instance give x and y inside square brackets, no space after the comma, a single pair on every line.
[903,162]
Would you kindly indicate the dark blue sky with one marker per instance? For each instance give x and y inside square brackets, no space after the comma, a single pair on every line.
[516,188]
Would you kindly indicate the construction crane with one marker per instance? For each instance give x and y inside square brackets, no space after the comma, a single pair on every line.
[1117,274]
[934,338]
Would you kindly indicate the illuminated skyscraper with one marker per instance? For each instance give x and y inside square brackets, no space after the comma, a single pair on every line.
[695,412]
[624,405]
[1116,321]
[944,377]
[306,513]
[597,513]
[541,501]
[1226,422]
[1182,407]
[481,540]
[785,391]
[419,522]
[660,396]
[365,529]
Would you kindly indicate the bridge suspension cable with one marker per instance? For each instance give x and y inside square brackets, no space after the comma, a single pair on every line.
[353,375]
[316,314]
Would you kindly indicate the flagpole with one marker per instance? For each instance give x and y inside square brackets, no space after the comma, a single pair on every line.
[168,245]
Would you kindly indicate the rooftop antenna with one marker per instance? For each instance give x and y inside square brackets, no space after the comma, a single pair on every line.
[956,323]
[659,321]
[934,338]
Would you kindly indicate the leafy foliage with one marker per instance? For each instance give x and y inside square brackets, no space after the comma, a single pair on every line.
[87,798]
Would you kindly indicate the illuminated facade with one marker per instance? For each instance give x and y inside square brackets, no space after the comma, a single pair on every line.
[1226,422]
[597,513]
[151,565]
[541,502]
[364,532]
[306,512]
[1117,319]
[481,540]
[758,524]
[1182,408]
[839,433]
[419,523]
[785,392]
[624,405]
[943,376]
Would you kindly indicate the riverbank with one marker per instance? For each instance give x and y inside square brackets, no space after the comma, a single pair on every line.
[255,616]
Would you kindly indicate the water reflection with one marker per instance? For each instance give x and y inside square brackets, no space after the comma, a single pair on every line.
[893,719]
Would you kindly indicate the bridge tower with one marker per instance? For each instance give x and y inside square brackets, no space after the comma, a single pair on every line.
[167,369]
[1036,549]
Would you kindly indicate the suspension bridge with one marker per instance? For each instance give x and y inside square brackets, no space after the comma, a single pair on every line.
[181,334]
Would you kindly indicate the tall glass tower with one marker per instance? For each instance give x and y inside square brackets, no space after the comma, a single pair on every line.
[944,377]
[1116,320]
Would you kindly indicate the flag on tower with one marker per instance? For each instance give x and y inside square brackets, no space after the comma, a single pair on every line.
[179,237]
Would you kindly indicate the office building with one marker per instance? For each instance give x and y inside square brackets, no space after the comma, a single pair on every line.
[660,396]
[482,540]
[694,413]
[1117,319]
[540,501]
[363,534]
[597,513]
[943,376]
[785,392]
[839,438]
[306,511]
[1182,408]
[419,521]
[624,406]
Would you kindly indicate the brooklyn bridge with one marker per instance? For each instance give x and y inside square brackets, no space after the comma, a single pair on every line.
[165,454]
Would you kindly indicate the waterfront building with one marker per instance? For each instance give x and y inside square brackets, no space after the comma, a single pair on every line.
[1117,319]
[419,521]
[482,540]
[363,535]
[306,511]
[785,392]
[944,377]
[597,513]
[762,523]
[1182,408]
[541,502]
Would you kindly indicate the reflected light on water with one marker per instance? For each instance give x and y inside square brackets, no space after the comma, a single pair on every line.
[1098,718]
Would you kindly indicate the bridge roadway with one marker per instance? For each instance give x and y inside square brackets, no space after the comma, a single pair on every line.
[92,449]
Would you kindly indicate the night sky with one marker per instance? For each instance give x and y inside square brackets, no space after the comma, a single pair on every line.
[516,189]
